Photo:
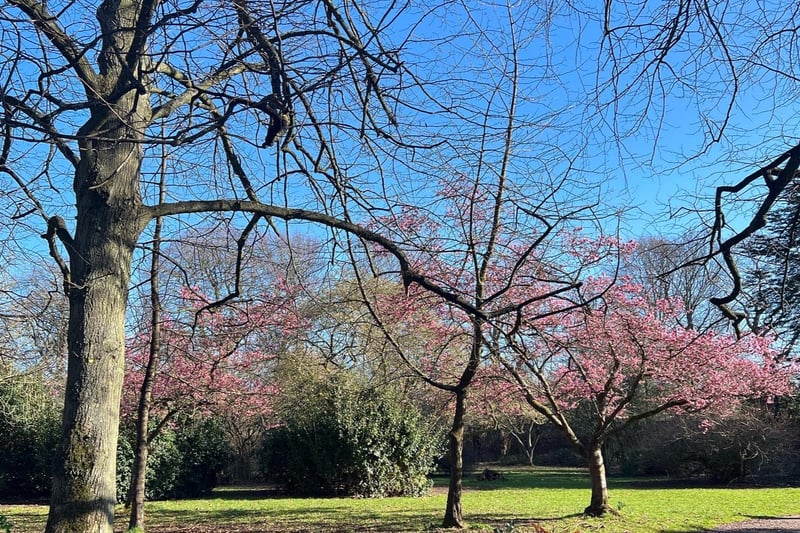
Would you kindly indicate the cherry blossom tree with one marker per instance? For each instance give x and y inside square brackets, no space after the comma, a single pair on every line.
[219,358]
[214,361]
[624,358]
[494,267]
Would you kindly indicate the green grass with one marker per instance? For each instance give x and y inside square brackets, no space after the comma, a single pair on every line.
[550,497]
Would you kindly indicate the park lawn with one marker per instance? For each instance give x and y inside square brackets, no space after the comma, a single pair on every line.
[552,498]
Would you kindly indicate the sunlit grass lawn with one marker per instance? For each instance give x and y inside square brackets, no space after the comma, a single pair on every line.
[553,498]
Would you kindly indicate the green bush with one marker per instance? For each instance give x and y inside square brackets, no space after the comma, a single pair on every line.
[182,462]
[30,424]
[163,465]
[124,467]
[349,441]
[203,453]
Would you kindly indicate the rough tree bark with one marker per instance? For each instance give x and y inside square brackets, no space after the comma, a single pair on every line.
[109,220]
[84,483]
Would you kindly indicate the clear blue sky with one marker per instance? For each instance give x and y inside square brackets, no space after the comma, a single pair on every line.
[662,135]
[650,150]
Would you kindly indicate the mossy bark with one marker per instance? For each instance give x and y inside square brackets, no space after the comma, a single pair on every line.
[110,219]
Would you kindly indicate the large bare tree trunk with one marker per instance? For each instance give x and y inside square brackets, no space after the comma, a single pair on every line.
[84,484]
[452,515]
[109,221]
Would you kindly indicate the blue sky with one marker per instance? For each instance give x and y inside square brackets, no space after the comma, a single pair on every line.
[672,131]
[650,151]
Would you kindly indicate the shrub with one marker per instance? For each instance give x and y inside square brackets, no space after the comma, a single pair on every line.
[351,441]
[163,466]
[203,453]
[182,462]
[29,432]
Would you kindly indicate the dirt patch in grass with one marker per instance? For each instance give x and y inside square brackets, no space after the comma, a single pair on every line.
[790,524]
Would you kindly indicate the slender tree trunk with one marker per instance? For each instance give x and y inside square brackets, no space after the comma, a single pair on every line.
[136,493]
[505,443]
[597,472]
[138,488]
[530,448]
[452,515]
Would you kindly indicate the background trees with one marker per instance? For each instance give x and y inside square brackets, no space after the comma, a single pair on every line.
[771,271]
[32,350]
[664,267]
[754,442]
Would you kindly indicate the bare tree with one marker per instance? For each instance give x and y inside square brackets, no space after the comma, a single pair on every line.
[732,66]
[660,264]
[32,322]
[255,99]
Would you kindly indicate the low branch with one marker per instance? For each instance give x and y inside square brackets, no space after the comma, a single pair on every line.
[407,273]
[57,228]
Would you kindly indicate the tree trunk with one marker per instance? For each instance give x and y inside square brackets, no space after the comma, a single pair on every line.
[534,435]
[109,221]
[597,472]
[136,493]
[84,480]
[453,516]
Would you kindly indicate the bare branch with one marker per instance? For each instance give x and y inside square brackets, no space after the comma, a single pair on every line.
[48,25]
[408,274]
[57,228]
[775,185]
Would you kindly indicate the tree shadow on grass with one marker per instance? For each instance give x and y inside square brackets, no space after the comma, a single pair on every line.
[24,520]
[522,519]
[246,492]
[545,478]
[317,519]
